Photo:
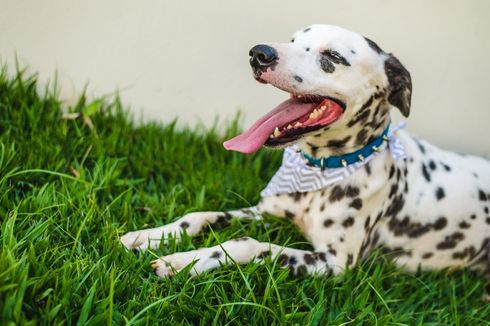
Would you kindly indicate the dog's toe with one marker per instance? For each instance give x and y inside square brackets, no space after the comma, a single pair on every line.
[133,241]
[162,269]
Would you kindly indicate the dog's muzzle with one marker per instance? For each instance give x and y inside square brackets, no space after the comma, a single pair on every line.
[262,57]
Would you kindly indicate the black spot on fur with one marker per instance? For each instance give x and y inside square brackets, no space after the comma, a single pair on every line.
[488,220]
[446,167]
[332,251]
[296,196]
[481,195]
[427,255]
[283,259]
[298,78]
[309,259]
[301,270]
[292,261]
[464,225]
[368,103]
[466,252]
[328,222]
[336,194]
[326,65]
[425,172]
[350,259]
[366,224]
[338,143]
[393,190]
[473,216]
[321,255]
[221,222]
[361,137]
[352,191]
[289,215]
[373,46]
[368,168]
[184,225]
[395,252]
[216,255]
[392,172]
[375,239]
[420,146]
[356,203]
[432,165]
[348,222]
[419,231]
[313,149]
[414,230]
[440,223]
[395,206]
[440,194]
[264,254]
[450,241]
[306,29]
[360,117]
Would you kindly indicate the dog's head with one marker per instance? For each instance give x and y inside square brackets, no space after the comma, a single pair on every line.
[340,84]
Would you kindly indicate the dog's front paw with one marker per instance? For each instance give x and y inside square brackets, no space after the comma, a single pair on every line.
[167,266]
[137,240]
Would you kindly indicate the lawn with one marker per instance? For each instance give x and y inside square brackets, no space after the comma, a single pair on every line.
[70,186]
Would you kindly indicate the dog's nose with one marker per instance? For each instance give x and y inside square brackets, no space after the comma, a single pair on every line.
[262,56]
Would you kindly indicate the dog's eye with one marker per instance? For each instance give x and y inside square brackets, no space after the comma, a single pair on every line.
[335,57]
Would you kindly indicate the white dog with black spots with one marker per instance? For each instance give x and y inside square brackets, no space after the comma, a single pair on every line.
[429,209]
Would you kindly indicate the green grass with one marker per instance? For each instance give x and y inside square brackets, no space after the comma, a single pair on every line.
[70,188]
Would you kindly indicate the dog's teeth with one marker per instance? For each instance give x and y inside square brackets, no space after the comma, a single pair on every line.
[289,126]
[277,132]
[299,96]
[315,114]
[298,124]
[323,107]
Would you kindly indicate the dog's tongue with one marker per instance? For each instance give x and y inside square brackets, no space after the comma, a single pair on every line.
[252,139]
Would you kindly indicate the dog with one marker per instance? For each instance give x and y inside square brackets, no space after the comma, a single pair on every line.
[349,181]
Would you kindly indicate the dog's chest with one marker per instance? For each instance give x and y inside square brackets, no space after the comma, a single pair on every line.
[343,213]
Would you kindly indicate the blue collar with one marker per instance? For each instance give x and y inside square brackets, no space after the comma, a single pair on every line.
[350,158]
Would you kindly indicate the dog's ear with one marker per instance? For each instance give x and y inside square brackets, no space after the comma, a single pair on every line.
[400,88]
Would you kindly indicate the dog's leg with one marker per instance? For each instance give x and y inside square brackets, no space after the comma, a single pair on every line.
[192,223]
[242,251]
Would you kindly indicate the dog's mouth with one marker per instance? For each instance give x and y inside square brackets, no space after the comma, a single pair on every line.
[288,122]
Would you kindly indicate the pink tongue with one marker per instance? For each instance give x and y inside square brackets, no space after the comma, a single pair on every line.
[252,139]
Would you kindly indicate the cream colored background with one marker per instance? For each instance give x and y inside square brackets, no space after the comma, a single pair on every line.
[190,59]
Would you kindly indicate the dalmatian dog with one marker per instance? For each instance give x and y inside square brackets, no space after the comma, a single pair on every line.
[429,207]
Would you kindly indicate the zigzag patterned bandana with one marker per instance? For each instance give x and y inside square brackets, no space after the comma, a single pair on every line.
[295,175]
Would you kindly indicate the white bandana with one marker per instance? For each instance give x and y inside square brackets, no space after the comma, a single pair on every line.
[295,175]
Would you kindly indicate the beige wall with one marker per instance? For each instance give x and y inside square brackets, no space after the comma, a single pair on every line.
[189,59]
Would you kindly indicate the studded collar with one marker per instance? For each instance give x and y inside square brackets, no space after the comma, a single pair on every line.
[350,158]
